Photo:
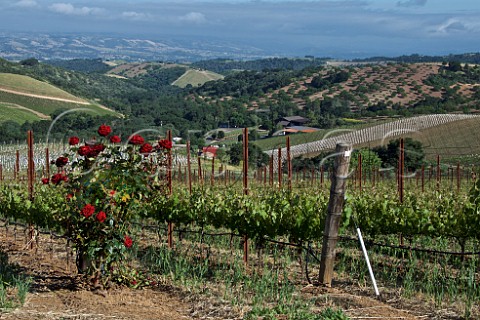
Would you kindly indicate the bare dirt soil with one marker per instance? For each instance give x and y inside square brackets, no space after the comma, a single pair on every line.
[58,292]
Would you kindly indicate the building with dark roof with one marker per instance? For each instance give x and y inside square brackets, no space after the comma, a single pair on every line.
[292,121]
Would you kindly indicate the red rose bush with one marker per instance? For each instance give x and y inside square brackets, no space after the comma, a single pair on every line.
[107,188]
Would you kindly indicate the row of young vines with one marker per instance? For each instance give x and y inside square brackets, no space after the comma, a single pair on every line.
[296,215]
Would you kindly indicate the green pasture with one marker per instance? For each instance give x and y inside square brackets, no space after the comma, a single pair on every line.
[47,106]
[12,113]
[29,85]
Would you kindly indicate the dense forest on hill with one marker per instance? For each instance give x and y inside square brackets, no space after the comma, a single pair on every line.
[327,95]
[159,78]
[472,58]
[82,65]
[225,66]
[247,83]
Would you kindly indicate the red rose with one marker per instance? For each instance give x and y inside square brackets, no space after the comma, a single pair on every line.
[127,241]
[136,139]
[69,196]
[96,149]
[84,150]
[91,151]
[45,180]
[165,144]
[56,178]
[146,148]
[115,139]
[101,216]
[61,161]
[73,141]
[104,130]
[88,210]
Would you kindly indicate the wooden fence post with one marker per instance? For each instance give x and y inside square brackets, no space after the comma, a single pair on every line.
[289,165]
[212,176]
[458,177]
[16,170]
[334,214]
[189,168]
[279,165]
[47,162]
[200,170]
[360,172]
[271,170]
[245,187]
[170,190]
[180,175]
[374,173]
[439,173]
[401,177]
[401,170]
[321,176]
[423,178]
[265,176]
[31,177]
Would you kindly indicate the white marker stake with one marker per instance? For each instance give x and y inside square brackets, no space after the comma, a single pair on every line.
[368,261]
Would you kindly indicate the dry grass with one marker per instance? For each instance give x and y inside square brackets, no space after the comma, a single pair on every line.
[196,78]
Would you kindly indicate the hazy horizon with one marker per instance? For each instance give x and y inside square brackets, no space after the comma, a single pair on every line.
[338,29]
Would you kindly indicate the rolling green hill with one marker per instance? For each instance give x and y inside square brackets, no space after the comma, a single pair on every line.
[452,136]
[453,141]
[18,114]
[26,99]
[27,85]
[93,86]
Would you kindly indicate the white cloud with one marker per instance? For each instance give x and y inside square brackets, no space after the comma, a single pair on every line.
[68,8]
[456,25]
[194,17]
[135,16]
[452,25]
[26,3]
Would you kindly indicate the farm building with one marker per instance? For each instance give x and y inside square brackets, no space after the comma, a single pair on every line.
[292,121]
[210,151]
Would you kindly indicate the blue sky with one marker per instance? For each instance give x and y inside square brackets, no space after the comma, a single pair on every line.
[297,27]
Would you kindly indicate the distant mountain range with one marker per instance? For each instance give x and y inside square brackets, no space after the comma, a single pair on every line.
[45,47]
[18,46]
